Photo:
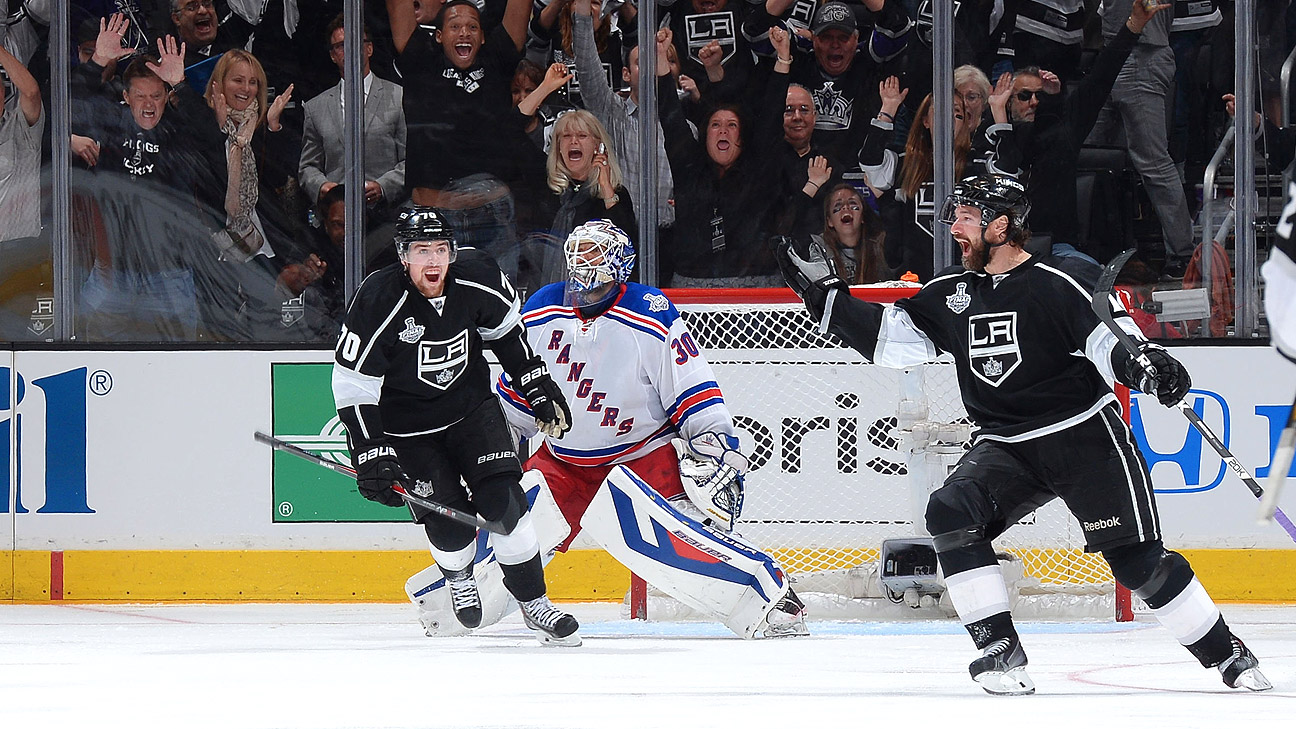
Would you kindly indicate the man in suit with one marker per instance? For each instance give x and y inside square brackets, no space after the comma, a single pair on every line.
[322,157]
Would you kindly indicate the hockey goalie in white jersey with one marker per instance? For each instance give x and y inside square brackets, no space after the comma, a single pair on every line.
[636,382]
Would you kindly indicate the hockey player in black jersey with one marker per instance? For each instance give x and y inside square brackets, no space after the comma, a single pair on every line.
[1034,365]
[414,391]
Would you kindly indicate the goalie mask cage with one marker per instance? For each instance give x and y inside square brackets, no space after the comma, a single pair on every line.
[843,455]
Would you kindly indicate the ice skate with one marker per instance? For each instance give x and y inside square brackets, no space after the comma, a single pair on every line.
[552,626]
[1242,669]
[785,619]
[1001,669]
[464,597]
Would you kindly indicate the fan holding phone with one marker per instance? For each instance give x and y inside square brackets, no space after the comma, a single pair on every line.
[584,173]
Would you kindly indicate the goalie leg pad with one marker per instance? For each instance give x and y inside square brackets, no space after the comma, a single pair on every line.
[428,589]
[701,568]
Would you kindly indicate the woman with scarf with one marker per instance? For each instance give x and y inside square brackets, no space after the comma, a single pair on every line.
[257,240]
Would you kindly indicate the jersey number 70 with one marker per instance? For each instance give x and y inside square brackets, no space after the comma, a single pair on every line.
[348,345]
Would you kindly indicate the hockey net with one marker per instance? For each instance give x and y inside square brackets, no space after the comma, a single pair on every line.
[844,453]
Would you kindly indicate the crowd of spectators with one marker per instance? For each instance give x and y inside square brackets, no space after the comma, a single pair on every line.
[208,157]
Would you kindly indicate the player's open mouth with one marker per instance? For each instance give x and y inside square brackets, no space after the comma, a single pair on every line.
[463,50]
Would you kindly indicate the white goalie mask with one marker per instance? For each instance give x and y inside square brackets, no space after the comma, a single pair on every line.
[599,258]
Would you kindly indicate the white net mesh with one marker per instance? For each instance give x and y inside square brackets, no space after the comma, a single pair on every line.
[843,454]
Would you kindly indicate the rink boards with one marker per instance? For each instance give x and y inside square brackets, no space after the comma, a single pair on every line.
[134,476]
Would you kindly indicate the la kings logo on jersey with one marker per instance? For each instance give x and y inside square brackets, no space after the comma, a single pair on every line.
[292,311]
[441,363]
[992,346]
[706,27]
[833,109]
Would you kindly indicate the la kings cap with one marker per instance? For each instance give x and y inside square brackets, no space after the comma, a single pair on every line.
[834,15]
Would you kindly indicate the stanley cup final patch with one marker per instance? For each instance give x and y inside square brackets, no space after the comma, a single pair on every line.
[960,300]
[992,346]
[441,363]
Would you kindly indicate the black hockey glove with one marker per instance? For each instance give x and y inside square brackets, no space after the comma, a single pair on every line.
[552,415]
[1168,380]
[376,471]
[811,277]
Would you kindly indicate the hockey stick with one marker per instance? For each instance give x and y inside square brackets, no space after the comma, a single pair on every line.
[1282,460]
[471,520]
[1102,307]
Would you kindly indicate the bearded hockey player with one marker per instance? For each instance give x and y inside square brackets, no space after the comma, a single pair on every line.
[412,388]
[1034,365]
[626,361]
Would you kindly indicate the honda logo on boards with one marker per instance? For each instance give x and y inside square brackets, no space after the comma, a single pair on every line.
[1195,461]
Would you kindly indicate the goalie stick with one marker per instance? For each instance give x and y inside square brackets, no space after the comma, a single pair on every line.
[1102,307]
[453,514]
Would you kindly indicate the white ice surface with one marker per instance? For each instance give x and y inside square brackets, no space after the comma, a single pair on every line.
[324,666]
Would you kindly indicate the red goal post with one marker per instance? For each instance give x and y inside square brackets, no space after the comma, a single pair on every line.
[844,452]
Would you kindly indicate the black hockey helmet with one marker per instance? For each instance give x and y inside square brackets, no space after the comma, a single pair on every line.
[994,194]
[422,223]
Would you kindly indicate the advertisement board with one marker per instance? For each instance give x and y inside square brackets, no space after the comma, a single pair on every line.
[155,450]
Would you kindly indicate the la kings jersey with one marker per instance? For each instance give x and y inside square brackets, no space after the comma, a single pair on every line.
[633,376]
[421,360]
[1032,357]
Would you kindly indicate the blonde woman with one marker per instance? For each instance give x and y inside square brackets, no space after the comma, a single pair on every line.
[242,296]
[583,172]
[905,179]
[237,95]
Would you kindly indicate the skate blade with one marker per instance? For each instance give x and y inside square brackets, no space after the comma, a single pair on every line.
[571,641]
[1013,682]
[784,630]
[1252,680]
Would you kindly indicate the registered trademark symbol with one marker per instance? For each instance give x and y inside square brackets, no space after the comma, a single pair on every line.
[100,382]
[285,508]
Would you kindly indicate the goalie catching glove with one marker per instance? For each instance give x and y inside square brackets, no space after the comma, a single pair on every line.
[1167,378]
[712,471]
[552,415]
[811,277]
[377,470]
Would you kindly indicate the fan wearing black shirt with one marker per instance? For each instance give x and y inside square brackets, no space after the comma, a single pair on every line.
[1034,364]
[413,389]
[467,154]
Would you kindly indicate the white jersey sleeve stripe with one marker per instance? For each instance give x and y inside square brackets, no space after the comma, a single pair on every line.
[473,284]
[511,320]
[359,365]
